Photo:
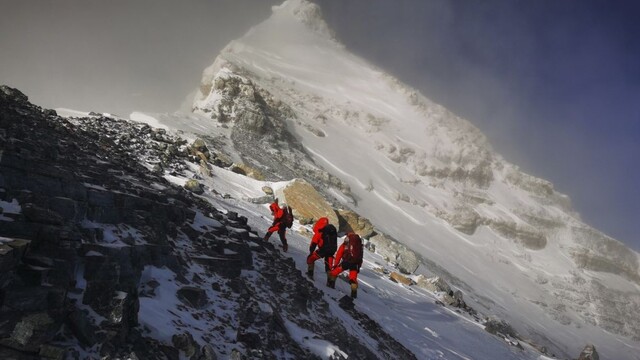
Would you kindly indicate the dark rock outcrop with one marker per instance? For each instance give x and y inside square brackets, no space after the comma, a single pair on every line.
[589,353]
[497,326]
[90,214]
[193,296]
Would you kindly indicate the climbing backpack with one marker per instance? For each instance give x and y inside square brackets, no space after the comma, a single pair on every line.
[329,239]
[287,218]
[353,249]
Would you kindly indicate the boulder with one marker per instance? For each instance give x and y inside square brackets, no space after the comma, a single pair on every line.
[497,326]
[193,296]
[454,298]
[458,300]
[32,331]
[204,169]
[208,353]
[124,309]
[250,339]
[118,307]
[244,169]
[267,190]
[51,352]
[80,325]
[221,160]
[266,199]
[199,146]
[185,342]
[399,278]
[19,246]
[463,219]
[351,221]
[406,260]
[447,299]
[435,284]
[236,355]
[194,186]
[589,353]
[306,201]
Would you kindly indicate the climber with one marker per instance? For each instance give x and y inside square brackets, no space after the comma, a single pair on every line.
[325,238]
[278,225]
[350,252]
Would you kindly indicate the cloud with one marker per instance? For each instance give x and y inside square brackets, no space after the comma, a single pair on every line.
[93,55]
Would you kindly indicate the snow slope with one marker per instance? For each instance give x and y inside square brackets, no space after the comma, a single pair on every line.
[409,314]
[431,180]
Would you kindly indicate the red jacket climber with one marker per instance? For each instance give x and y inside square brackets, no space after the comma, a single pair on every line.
[277,225]
[325,237]
[317,234]
[348,257]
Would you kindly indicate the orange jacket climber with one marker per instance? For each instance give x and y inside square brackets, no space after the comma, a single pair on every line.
[325,237]
[317,234]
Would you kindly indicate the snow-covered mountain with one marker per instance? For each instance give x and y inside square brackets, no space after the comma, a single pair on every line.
[141,237]
[423,177]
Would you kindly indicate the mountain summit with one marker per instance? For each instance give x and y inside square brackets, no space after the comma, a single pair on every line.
[424,178]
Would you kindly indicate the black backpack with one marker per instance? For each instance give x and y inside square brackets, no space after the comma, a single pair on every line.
[329,239]
[287,218]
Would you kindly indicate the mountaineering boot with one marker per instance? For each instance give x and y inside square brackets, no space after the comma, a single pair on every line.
[354,290]
[331,281]
[310,268]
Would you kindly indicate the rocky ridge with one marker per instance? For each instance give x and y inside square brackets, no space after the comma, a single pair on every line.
[101,257]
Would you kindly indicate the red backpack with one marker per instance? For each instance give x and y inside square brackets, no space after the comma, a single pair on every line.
[287,217]
[353,249]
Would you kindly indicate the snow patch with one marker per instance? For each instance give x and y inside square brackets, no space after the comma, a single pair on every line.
[147,119]
[322,348]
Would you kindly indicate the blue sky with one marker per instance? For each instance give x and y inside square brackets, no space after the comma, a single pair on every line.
[555,85]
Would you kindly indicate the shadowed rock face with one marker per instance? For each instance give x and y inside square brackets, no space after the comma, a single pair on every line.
[72,181]
[602,253]
[90,219]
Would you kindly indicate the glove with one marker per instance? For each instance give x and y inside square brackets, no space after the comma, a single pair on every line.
[312,248]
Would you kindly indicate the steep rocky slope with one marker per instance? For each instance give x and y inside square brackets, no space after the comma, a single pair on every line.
[102,257]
